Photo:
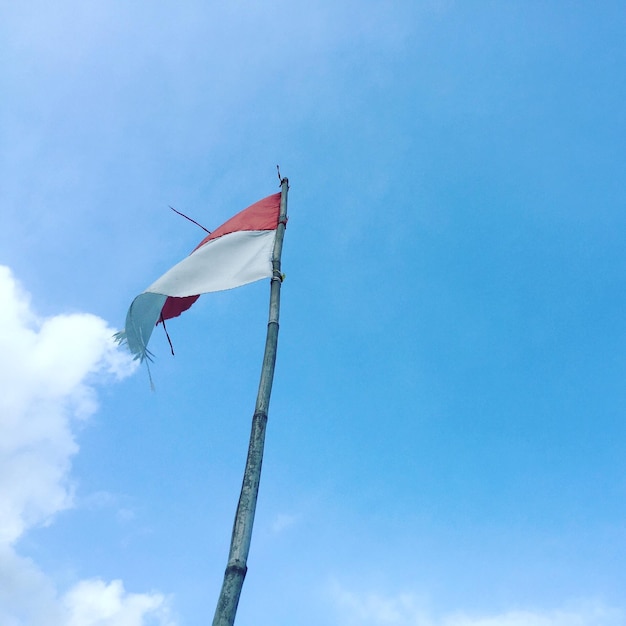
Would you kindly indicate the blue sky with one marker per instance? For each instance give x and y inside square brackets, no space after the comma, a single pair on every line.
[446,443]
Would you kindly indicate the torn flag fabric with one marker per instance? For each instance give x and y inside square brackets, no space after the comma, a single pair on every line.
[235,254]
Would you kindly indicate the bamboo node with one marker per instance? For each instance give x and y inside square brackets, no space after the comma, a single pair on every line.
[260,414]
[237,569]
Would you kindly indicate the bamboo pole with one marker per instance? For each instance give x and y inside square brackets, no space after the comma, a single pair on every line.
[244,518]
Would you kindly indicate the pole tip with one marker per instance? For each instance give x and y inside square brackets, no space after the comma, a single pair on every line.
[280,178]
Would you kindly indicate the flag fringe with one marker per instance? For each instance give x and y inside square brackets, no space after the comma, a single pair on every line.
[141,355]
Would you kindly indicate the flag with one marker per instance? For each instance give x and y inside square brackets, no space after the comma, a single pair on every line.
[237,253]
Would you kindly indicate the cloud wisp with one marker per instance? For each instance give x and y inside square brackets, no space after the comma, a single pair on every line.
[406,609]
[48,371]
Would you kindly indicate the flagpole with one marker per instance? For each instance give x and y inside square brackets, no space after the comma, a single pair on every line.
[244,518]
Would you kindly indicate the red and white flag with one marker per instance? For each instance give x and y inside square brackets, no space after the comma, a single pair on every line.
[235,254]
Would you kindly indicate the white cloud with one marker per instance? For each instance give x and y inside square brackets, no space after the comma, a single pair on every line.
[27,596]
[94,603]
[374,609]
[283,521]
[101,500]
[586,614]
[48,368]
[371,609]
